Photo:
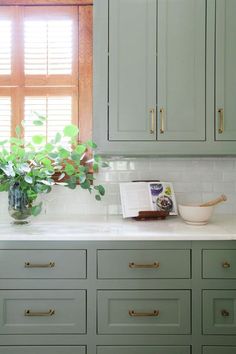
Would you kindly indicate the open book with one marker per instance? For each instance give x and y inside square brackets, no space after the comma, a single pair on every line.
[146,196]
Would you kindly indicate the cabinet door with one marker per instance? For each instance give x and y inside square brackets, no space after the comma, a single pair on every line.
[181,70]
[225,70]
[132,70]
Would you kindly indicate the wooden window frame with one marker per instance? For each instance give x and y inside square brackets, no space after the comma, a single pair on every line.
[85,66]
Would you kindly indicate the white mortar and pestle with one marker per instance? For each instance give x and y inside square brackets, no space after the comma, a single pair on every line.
[199,214]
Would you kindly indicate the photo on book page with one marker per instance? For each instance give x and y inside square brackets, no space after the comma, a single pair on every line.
[163,197]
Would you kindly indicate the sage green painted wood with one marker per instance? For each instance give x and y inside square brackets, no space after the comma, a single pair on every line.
[114,264]
[225,67]
[214,302]
[114,307]
[143,349]
[219,264]
[132,69]
[68,264]
[182,69]
[42,350]
[69,307]
[219,350]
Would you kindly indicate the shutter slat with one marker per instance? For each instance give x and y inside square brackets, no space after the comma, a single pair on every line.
[48,47]
[5,117]
[5,47]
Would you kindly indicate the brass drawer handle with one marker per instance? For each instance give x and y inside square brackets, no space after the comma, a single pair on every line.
[154,313]
[154,265]
[46,265]
[225,313]
[29,313]
[152,113]
[221,123]
[162,128]
[226,265]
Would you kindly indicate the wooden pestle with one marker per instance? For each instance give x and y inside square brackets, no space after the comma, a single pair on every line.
[216,201]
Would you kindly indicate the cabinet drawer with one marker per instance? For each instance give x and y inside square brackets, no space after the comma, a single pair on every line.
[47,264]
[143,349]
[219,264]
[219,350]
[121,264]
[42,312]
[42,349]
[219,312]
[144,312]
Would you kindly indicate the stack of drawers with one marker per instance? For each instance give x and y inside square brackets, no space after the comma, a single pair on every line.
[143,312]
[42,312]
[219,302]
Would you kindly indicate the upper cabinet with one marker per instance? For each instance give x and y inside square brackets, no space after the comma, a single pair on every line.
[181,39]
[225,70]
[132,69]
[164,77]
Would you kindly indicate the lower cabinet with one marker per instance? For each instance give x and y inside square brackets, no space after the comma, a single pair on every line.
[144,350]
[43,350]
[118,297]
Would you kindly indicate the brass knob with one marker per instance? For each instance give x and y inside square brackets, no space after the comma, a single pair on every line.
[225,313]
[226,265]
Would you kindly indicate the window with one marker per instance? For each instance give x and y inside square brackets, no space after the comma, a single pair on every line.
[45,67]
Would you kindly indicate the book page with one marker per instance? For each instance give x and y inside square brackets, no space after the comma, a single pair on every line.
[162,197]
[134,198]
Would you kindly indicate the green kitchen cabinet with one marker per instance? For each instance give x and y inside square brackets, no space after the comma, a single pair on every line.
[132,69]
[164,77]
[225,70]
[144,349]
[181,100]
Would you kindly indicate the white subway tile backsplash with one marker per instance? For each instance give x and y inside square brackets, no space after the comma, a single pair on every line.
[195,180]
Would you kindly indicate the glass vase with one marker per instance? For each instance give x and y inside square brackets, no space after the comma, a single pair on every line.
[18,205]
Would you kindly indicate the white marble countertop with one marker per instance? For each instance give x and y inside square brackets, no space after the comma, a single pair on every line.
[101,228]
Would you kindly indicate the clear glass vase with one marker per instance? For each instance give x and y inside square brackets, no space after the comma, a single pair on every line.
[18,205]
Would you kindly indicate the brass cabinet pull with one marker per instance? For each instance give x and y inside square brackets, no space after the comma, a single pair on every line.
[226,265]
[152,113]
[29,313]
[221,123]
[35,265]
[225,313]
[154,265]
[162,119]
[154,313]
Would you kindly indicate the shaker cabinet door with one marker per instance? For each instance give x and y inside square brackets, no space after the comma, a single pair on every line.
[132,70]
[225,70]
[181,70]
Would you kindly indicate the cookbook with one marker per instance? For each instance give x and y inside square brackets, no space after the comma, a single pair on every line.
[146,196]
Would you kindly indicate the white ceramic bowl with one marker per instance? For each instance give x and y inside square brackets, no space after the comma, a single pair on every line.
[195,215]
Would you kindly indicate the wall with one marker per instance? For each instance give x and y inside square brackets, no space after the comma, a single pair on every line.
[194,180]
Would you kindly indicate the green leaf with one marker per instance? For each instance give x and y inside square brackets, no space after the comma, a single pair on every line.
[36,210]
[28,179]
[24,168]
[85,184]
[100,189]
[95,167]
[69,169]
[91,144]
[72,183]
[38,139]
[31,194]
[57,138]
[38,123]
[18,131]
[4,187]
[63,153]
[16,141]
[49,147]
[71,131]
[39,116]
[80,149]
[98,197]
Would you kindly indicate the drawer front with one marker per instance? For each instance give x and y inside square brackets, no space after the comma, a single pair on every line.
[219,264]
[43,312]
[219,312]
[121,264]
[144,312]
[45,264]
[143,349]
[42,349]
[219,350]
